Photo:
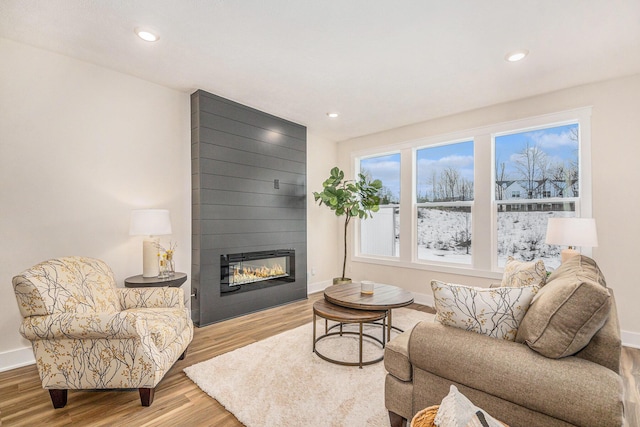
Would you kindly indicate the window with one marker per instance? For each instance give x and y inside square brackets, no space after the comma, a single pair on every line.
[444,198]
[380,234]
[472,198]
[543,164]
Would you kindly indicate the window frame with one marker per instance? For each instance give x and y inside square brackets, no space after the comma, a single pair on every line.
[484,241]
[357,236]
[417,205]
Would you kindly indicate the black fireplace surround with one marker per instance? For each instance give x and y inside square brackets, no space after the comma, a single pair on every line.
[249,217]
[245,272]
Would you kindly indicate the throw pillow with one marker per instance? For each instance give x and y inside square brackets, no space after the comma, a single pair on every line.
[457,411]
[568,311]
[521,273]
[494,312]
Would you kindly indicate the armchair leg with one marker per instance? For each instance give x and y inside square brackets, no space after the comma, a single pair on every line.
[58,398]
[183,355]
[396,420]
[146,396]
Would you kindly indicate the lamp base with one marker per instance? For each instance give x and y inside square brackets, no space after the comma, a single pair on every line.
[568,253]
[150,257]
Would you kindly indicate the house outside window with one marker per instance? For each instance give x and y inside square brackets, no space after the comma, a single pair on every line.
[545,163]
[380,234]
[444,201]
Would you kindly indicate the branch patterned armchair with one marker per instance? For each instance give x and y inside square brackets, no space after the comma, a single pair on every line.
[87,333]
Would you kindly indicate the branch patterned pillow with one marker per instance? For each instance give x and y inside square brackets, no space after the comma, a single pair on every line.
[521,273]
[495,312]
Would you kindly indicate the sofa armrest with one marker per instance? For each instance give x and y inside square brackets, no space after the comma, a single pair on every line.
[82,326]
[396,356]
[155,297]
[513,372]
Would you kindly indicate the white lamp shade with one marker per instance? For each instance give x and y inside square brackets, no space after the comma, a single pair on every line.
[150,222]
[572,232]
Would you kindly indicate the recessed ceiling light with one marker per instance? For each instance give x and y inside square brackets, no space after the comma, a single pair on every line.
[146,35]
[516,55]
[333,115]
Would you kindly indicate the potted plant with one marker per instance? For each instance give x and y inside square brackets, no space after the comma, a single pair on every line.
[351,198]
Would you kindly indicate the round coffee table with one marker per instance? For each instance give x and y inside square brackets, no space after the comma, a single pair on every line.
[329,311]
[384,298]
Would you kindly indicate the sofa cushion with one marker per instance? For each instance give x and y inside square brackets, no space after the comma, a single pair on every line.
[396,356]
[521,273]
[568,311]
[495,312]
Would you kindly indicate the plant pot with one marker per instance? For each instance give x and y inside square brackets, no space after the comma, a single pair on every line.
[341,281]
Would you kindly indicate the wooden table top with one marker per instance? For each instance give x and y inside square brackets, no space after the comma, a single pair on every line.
[338,313]
[384,297]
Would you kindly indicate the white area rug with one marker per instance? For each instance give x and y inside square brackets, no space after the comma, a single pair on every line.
[280,382]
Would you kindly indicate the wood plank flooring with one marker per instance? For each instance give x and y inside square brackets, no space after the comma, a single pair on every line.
[178,401]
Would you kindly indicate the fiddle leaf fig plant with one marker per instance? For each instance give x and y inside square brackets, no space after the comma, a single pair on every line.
[351,198]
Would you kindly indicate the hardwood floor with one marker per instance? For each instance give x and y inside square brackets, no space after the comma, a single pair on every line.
[178,401]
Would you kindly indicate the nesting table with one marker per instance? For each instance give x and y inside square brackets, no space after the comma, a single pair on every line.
[346,304]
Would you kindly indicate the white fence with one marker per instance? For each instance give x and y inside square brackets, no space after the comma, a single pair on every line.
[378,234]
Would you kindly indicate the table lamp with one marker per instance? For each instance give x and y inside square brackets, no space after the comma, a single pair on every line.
[571,232]
[150,223]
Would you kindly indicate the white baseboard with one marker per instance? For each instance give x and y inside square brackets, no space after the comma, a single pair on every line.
[16,359]
[314,288]
[424,299]
[630,339]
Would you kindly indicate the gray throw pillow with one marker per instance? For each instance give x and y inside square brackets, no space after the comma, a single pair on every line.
[568,311]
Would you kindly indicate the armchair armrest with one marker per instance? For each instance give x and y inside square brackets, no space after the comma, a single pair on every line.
[515,373]
[82,326]
[156,297]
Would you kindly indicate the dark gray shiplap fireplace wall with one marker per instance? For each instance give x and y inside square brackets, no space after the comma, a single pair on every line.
[249,194]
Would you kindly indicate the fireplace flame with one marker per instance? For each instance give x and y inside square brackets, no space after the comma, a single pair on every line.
[253,274]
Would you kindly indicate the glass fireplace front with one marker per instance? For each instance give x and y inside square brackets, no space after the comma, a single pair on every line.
[256,270]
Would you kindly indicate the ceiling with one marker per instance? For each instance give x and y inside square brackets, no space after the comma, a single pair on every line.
[379,63]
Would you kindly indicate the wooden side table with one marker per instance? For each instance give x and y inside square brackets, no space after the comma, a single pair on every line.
[145,282]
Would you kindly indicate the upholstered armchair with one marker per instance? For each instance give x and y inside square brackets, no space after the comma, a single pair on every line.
[87,333]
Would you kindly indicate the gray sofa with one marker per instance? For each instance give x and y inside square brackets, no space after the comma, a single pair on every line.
[510,380]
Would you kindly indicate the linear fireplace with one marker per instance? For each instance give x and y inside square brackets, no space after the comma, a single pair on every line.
[243,272]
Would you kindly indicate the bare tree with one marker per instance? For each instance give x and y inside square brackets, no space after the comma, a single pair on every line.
[451,180]
[500,178]
[466,189]
[572,173]
[432,181]
[532,164]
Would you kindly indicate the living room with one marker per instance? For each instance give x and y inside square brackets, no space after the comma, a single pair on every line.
[84,142]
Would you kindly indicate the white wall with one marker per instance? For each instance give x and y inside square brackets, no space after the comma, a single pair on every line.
[80,146]
[323,260]
[615,140]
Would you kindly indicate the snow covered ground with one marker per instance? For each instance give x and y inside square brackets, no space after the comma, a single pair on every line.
[442,234]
